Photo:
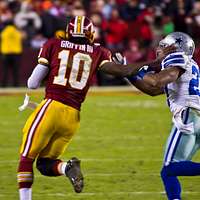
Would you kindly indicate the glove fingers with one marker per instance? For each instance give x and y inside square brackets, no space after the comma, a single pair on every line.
[119,57]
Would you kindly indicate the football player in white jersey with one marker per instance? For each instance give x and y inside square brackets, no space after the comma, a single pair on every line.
[179,79]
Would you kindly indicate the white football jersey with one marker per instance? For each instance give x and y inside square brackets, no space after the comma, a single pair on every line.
[185,91]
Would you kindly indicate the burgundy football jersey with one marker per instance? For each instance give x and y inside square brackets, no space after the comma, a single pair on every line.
[71,68]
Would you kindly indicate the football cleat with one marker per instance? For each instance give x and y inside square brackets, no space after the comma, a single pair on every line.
[73,172]
[81,27]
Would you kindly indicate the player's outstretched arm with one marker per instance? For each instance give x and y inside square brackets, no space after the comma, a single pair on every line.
[147,88]
[131,69]
[164,77]
[126,70]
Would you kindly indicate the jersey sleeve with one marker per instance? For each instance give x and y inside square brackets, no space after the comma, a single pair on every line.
[44,54]
[178,59]
[105,56]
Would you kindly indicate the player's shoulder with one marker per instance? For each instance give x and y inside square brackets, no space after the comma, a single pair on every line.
[176,59]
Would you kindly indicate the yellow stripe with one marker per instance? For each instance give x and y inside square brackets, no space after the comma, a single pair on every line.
[79,21]
[25,173]
[19,181]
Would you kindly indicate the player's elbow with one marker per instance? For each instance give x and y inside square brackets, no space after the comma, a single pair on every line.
[156,84]
[154,93]
[152,81]
[151,94]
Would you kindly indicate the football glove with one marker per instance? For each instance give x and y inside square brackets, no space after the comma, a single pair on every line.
[118,58]
[27,104]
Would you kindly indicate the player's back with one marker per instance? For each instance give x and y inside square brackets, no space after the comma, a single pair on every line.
[71,68]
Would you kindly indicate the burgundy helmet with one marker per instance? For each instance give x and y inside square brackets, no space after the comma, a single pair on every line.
[81,27]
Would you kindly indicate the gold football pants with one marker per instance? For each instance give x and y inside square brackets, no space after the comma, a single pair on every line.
[49,129]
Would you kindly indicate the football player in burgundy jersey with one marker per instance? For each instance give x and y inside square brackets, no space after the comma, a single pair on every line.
[68,66]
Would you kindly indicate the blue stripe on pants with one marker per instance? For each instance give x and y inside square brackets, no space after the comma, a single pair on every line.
[174,142]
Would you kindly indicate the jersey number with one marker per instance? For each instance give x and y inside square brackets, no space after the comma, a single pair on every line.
[194,83]
[78,78]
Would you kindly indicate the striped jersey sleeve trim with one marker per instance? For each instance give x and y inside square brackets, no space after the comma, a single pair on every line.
[173,56]
[174,62]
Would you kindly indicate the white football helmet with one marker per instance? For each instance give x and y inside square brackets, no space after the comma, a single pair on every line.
[182,41]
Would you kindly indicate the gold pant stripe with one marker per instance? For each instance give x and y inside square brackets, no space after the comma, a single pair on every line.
[34,126]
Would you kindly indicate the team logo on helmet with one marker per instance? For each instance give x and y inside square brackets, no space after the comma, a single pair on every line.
[80,26]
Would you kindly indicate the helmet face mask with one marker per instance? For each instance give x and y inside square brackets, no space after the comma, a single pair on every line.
[183,42]
[80,27]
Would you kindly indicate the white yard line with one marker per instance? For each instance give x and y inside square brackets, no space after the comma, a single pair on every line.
[104,174]
[99,193]
[128,137]
[23,90]
[131,104]
[98,160]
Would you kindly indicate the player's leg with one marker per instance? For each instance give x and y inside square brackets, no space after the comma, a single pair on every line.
[47,162]
[171,183]
[36,134]
[179,166]
[181,163]
[179,147]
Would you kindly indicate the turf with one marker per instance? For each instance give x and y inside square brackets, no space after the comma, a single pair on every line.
[120,143]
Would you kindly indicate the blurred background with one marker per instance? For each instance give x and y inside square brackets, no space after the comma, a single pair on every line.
[132,27]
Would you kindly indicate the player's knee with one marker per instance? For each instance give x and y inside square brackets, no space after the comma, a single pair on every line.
[163,172]
[166,170]
[47,166]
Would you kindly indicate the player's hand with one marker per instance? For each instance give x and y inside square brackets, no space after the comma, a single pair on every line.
[118,58]
[25,103]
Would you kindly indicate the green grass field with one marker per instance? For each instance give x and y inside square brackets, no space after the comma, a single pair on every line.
[120,143]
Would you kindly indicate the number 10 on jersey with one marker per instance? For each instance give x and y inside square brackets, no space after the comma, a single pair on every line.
[73,81]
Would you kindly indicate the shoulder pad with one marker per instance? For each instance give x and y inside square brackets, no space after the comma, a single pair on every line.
[178,59]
